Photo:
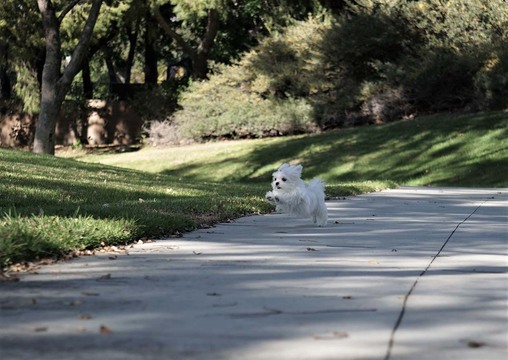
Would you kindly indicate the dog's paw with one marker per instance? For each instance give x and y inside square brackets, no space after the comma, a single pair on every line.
[270,197]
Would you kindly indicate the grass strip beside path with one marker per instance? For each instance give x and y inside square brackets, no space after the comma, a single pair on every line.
[51,206]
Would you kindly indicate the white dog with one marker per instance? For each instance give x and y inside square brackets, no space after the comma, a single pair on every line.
[291,195]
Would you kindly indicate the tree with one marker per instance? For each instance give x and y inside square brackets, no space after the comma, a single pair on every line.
[21,55]
[199,54]
[54,86]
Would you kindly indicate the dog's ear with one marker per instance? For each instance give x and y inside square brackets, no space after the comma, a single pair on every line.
[283,166]
[297,170]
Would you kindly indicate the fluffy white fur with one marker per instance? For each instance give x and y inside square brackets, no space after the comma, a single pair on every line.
[293,196]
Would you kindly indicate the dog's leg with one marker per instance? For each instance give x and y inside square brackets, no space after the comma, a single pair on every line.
[321,216]
[270,196]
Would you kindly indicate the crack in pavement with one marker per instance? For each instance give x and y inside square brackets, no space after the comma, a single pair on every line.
[391,342]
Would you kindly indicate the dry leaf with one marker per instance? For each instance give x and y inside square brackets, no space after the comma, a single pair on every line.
[41,329]
[107,276]
[311,249]
[105,330]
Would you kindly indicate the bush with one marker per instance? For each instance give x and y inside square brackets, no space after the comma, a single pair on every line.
[491,82]
[380,61]
[455,43]
[157,102]
[268,93]
[214,109]
[443,81]
[160,133]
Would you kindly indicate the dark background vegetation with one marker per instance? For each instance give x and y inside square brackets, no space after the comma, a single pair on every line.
[274,67]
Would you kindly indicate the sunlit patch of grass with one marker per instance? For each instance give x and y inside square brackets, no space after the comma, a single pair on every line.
[445,150]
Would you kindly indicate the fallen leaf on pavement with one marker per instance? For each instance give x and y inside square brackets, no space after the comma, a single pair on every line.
[105,330]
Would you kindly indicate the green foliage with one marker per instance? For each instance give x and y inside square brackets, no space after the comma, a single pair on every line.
[491,81]
[152,103]
[458,39]
[26,88]
[381,61]
[267,93]
[218,109]
[21,35]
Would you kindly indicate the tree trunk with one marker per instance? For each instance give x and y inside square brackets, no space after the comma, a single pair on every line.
[199,56]
[133,40]
[200,66]
[151,71]
[5,84]
[53,86]
[87,80]
[44,140]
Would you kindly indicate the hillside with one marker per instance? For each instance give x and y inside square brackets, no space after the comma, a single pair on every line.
[444,150]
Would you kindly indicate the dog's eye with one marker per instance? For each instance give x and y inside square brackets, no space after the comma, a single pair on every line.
[284,179]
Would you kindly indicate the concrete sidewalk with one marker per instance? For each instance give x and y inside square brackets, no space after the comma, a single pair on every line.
[411,273]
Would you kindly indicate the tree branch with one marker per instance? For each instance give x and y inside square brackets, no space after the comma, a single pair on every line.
[67,9]
[174,35]
[212,28]
[81,49]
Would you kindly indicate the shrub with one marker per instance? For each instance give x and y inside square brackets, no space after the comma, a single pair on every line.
[379,61]
[491,82]
[160,133]
[443,73]
[442,81]
[157,102]
[269,92]
[218,109]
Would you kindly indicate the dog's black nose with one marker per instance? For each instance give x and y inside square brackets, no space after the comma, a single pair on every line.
[277,184]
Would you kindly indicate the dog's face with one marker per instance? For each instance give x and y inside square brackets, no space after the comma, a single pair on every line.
[287,177]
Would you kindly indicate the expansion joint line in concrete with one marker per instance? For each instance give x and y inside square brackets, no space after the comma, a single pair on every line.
[406,297]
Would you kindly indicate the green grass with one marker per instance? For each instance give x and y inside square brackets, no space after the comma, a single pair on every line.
[444,150]
[51,206]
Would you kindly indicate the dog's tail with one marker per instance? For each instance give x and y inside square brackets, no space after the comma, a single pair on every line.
[317,186]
